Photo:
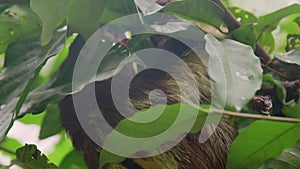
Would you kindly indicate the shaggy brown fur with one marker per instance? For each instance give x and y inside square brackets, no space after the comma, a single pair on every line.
[189,154]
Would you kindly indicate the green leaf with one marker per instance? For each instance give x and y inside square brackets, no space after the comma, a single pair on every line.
[56,88]
[109,16]
[52,14]
[65,144]
[261,141]
[297,20]
[85,23]
[6,118]
[246,34]
[292,111]
[53,49]
[280,89]
[289,158]
[74,160]
[12,145]
[123,7]
[3,167]
[148,6]
[23,61]
[60,84]
[29,157]
[293,42]
[197,10]
[167,121]
[60,57]
[292,56]
[267,23]
[33,119]
[52,123]
[243,16]
[3,7]
[18,22]
[267,41]
[239,68]
[270,21]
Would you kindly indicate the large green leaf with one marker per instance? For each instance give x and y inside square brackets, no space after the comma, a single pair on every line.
[124,7]
[65,144]
[29,157]
[243,16]
[116,9]
[52,117]
[239,66]
[52,13]
[85,23]
[60,84]
[73,160]
[57,46]
[267,23]
[18,22]
[23,62]
[6,118]
[12,145]
[289,158]
[270,21]
[163,123]
[261,141]
[33,119]
[246,34]
[292,111]
[292,56]
[197,10]
[297,20]
[148,6]
[267,41]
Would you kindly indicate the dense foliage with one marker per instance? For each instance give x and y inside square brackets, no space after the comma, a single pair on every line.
[35,40]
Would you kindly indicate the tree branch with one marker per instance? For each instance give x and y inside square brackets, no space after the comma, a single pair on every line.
[7,150]
[256,116]
[233,24]
[230,19]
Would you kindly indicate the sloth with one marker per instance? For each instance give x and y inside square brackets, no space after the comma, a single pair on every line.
[189,153]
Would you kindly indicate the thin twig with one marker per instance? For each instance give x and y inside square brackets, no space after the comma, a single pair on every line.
[244,115]
[230,20]
[256,116]
[7,150]
[233,24]
[277,72]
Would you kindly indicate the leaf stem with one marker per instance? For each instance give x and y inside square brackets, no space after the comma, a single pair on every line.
[7,150]
[234,24]
[255,116]
[244,115]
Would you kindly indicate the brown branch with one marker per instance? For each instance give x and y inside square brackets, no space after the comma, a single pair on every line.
[256,116]
[247,115]
[230,19]
[233,24]
[282,75]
